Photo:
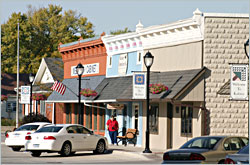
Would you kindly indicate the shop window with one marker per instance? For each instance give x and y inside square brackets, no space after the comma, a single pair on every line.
[186,120]
[101,118]
[88,117]
[109,61]
[68,114]
[95,118]
[139,58]
[153,118]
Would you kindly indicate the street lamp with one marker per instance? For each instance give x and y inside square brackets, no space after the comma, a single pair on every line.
[246,47]
[31,78]
[148,61]
[79,71]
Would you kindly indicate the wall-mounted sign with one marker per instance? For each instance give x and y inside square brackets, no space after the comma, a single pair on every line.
[238,82]
[88,69]
[115,106]
[123,63]
[25,94]
[139,85]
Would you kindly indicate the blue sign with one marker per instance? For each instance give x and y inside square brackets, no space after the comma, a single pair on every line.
[139,79]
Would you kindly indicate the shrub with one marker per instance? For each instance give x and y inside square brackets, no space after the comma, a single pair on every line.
[34,118]
[8,122]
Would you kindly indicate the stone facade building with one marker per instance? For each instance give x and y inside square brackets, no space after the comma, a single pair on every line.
[224,38]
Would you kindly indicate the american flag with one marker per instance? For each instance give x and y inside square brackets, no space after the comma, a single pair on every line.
[59,87]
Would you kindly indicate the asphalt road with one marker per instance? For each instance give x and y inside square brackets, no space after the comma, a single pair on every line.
[111,157]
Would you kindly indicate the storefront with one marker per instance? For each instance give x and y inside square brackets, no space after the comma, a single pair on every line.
[91,53]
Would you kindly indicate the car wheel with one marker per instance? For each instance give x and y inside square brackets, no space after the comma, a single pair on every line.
[16,148]
[100,148]
[66,149]
[221,162]
[35,153]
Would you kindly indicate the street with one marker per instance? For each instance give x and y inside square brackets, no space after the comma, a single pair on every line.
[113,156]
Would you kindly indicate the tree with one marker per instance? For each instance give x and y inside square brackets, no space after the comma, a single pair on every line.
[41,31]
[117,32]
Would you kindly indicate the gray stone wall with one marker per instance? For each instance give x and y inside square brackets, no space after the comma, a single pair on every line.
[224,40]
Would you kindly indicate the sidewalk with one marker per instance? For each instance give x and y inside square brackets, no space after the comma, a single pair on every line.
[137,150]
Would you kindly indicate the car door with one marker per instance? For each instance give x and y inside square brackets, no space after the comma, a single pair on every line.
[89,141]
[232,145]
[75,137]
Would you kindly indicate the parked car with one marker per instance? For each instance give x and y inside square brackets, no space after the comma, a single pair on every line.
[16,139]
[205,149]
[241,157]
[65,139]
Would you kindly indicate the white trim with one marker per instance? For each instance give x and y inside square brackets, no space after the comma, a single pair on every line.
[233,15]
[82,101]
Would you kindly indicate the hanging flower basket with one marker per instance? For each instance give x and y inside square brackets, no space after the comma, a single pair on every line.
[157,88]
[38,96]
[88,92]
[4,98]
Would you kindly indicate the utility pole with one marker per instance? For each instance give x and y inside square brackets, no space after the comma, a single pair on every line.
[17,95]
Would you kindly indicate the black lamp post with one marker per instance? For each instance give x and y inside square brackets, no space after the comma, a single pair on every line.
[246,47]
[80,70]
[31,78]
[148,61]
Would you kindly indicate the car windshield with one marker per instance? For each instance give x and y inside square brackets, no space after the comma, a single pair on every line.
[27,128]
[202,143]
[244,150]
[49,129]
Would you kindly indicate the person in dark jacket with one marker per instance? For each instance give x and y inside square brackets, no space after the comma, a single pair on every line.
[113,127]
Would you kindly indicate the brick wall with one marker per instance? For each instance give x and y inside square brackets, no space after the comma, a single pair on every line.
[223,44]
[59,113]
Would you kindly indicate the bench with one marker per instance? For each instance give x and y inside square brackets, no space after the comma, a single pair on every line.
[130,136]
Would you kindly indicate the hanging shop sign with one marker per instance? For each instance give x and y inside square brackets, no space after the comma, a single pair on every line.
[115,106]
[238,82]
[139,85]
[88,69]
[25,94]
[123,63]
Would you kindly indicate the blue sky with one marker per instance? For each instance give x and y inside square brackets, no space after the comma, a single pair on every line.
[107,15]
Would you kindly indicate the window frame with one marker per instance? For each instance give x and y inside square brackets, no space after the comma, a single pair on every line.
[139,56]
[110,61]
[187,122]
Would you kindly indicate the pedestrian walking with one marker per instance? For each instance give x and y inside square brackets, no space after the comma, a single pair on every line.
[113,127]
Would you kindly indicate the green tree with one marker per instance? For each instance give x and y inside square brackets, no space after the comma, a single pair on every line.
[41,31]
[117,32]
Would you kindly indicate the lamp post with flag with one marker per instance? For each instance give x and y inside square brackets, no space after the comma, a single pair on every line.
[80,70]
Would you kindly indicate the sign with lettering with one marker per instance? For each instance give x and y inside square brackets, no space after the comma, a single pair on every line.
[139,85]
[88,69]
[25,94]
[123,63]
[238,82]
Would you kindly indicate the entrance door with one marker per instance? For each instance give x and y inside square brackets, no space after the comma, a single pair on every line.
[169,125]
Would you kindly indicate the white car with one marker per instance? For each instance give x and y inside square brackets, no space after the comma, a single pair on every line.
[65,139]
[16,140]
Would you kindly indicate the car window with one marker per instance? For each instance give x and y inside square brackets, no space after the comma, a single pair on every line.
[244,150]
[83,130]
[72,129]
[27,128]
[202,142]
[49,129]
[232,144]
[245,141]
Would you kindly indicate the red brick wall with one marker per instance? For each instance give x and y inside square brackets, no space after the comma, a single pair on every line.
[49,111]
[59,113]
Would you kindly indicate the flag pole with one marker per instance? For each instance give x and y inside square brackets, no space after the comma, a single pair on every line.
[17,95]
